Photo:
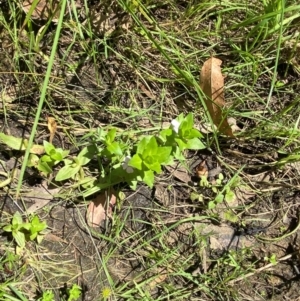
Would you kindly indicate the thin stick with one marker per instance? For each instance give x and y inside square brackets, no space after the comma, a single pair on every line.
[269,265]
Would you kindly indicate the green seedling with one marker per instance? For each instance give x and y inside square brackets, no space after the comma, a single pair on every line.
[223,191]
[8,261]
[74,292]
[75,166]
[113,149]
[47,296]
[22,232]
[181,136]
[36,230]
[152,153]
[149,158]
[272,259]
[52,157]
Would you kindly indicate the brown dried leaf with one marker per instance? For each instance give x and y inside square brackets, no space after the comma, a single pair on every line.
[100,208]
[52,126]
[212,85]
[159,278]
[41,195]
[179,172]
[54,238]
[37,149]
[202,170]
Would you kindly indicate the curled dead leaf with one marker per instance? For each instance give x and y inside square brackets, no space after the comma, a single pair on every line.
[100,208]
[201,170]
[212,85]
[52,126]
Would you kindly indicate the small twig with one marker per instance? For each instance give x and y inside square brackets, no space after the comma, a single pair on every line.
[269,265]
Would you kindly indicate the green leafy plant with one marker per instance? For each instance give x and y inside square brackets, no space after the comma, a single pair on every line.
[222,191]
[75,165]
[28,231]
[74,292]
[149,158]
[53,156]
[47,296]
[120,157]
[149,153]
[36,229]
[182,135]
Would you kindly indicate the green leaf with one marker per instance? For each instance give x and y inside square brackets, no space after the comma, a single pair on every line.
[111,135]
[186,130]
[86,155]
[44,167]
[46,158]
[229,196]
[195,144]
[178,155]
[17,219]
[193,133]
[37,225]
[33,160]
[64,153]
[180,118]
[164,134]
[33,235]
[136,162]
[195,196]
[19,238]
[181,144]
[149,178]
[183,129]
[211,205]
[67,172]
[39,238]
[151,148]
[155,166]
[219,198]
[132,184]
[57,157]
[26,226]
[47,296]
[231,216]
[48,147]
[189,119]
[7,228]
[114,148]
[74,292]
[143,145]
[13,142]
[163,154]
